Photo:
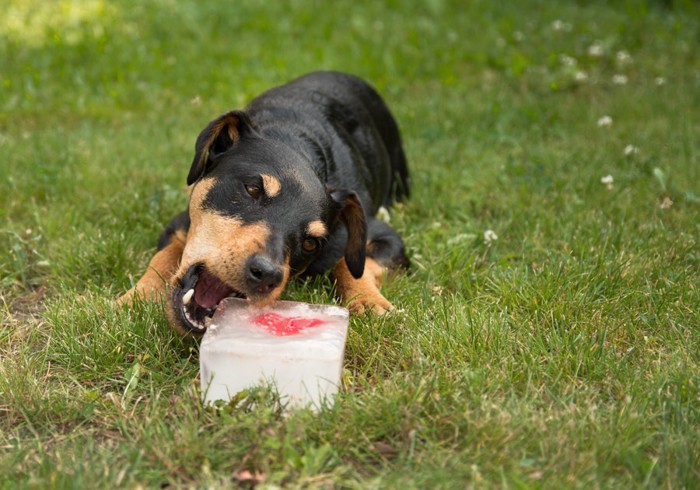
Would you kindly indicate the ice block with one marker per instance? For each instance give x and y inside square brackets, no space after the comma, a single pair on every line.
[297,347]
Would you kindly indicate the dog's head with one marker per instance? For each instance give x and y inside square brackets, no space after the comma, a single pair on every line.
[258,215]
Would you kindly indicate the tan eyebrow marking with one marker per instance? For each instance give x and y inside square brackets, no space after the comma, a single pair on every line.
[271,185]
[316,229]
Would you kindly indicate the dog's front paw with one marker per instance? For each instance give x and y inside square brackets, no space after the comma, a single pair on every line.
[376,303]
[135,295]
[362,294]
[127,298]
[140,293]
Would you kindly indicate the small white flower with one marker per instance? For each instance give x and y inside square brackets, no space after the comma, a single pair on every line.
[490,237]
[595,49]
[559,25]
[623,57]
[619,79]
[605,121]
[567,60]
[383,215]
[631,150]
[581,76]
[460,238]
[607,181]
[660,81]
[666,203]
[518,36]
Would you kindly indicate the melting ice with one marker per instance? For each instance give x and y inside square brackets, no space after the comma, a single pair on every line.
[297,347]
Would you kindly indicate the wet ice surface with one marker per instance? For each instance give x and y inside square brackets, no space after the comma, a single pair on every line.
[297,347]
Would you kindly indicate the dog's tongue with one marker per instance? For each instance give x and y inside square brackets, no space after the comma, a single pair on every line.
[209,290]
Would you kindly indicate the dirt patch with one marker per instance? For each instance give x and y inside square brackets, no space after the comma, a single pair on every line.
[19,314]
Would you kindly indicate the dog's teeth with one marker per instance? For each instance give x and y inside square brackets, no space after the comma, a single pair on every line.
[187,297]
[207,321]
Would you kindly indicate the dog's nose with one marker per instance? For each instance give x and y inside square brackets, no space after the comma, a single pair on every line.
[263,275]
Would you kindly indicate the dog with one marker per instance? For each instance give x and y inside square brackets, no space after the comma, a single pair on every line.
[289,186]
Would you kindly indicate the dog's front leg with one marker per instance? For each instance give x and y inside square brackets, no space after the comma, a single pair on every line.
[363,293]
[159,272]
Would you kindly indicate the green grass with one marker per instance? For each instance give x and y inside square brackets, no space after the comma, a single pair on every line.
[566,353]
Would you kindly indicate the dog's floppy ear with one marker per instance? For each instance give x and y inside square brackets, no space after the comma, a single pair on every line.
[352,216]
[220,135]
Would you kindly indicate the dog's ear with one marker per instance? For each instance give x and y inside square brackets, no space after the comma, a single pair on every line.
[220,135]
[352,216]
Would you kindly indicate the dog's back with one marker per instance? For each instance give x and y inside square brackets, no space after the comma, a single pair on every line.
[341,122]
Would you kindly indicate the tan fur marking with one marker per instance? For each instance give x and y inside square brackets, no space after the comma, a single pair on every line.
[159,272]
[229,122]
[360,294]
[316,229]
[199,191]
[271,185]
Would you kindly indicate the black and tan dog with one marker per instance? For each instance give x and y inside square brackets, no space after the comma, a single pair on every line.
[289,186]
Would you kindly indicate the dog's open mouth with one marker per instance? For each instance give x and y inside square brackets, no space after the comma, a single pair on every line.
[199,294]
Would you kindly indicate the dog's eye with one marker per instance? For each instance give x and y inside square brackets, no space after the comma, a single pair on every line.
[253,190]
[309,245]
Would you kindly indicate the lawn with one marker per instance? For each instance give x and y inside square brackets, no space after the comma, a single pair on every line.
[550,327]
